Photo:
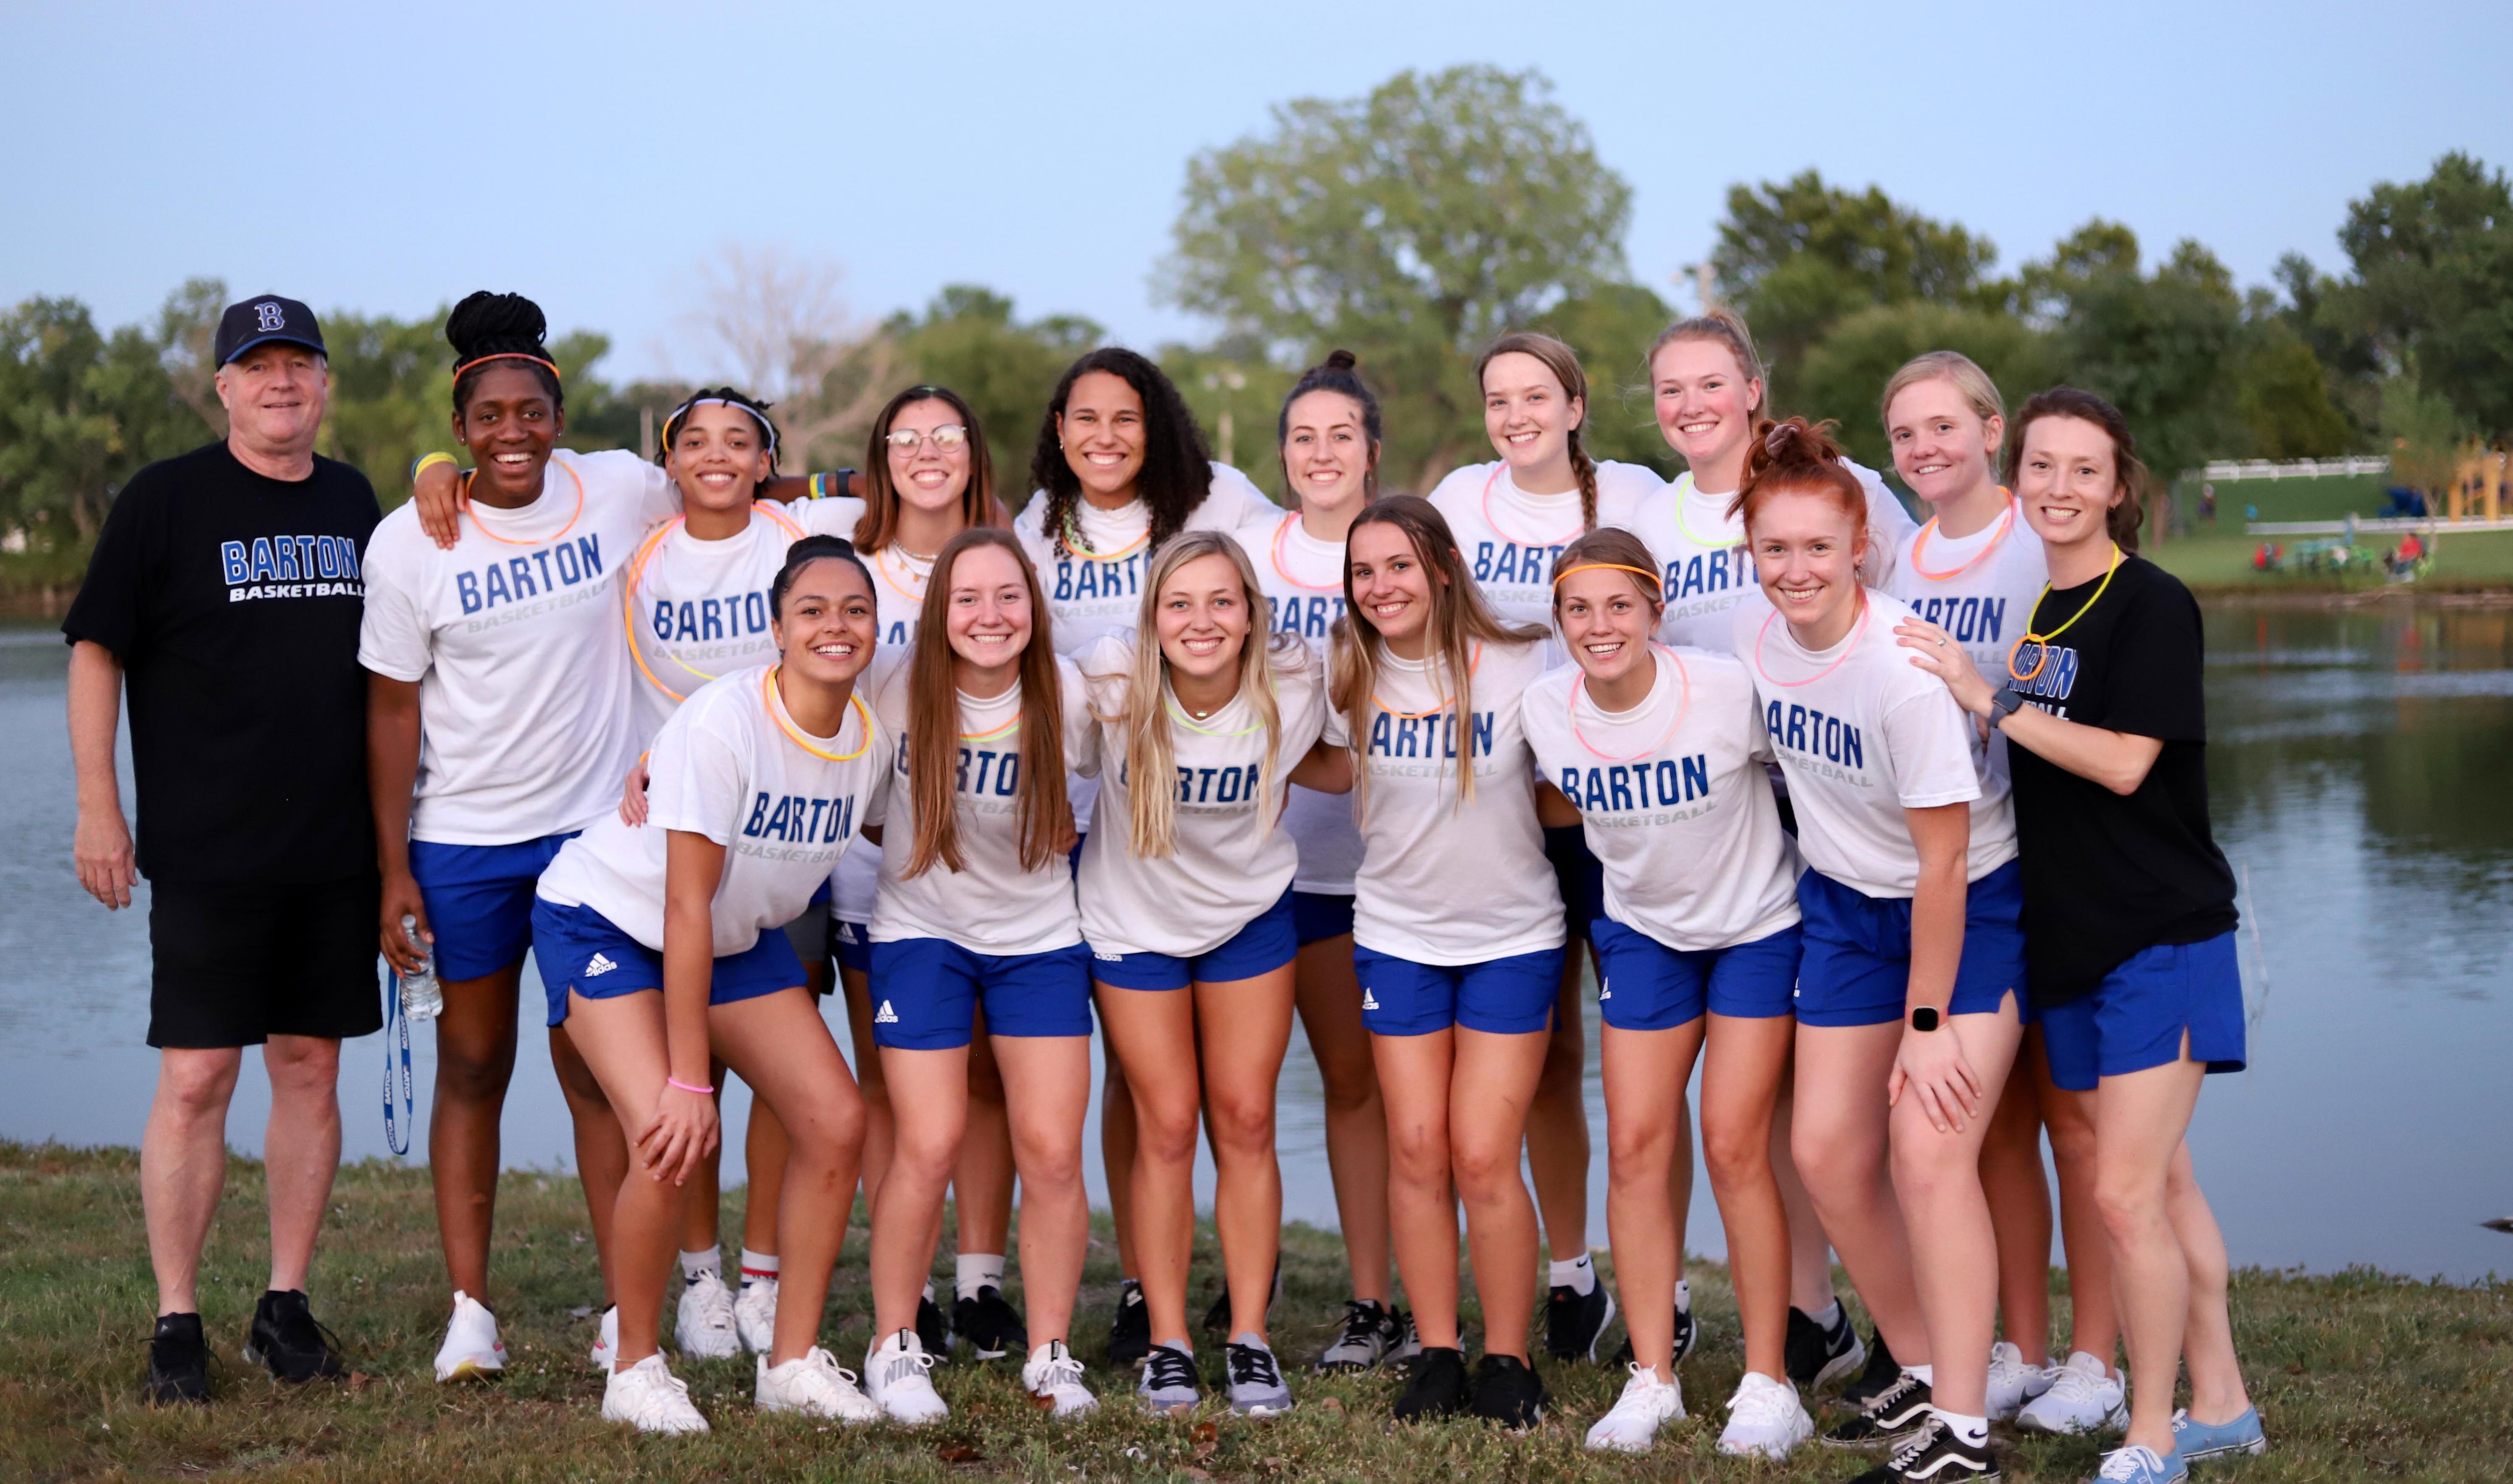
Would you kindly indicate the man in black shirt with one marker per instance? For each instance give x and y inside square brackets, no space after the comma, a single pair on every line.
[224,596]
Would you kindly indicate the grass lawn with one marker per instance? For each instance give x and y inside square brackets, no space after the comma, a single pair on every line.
[2358,1375]
[2218,559]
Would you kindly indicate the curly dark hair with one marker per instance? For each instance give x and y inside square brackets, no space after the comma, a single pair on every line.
[498,324]
[1177,463]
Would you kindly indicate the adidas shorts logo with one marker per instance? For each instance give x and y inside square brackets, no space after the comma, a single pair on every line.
[847,933]
[885,1016]
[1114,958]
[598,964]
[1369,1001]
[1605,991]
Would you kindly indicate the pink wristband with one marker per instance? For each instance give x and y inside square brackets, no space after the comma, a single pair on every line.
[703,1091]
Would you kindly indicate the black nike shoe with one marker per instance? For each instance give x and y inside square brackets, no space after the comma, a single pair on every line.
[932,1331]
[1898,1410]
[1882,1375]
[1216,1319]
[1436,1388]
[1573,1321]
[286,1339]
[992,1326]
[1129,1331]
[1508,1392]
[1815,1356]
[1934,1455]
[1686,1334]
[178,1362]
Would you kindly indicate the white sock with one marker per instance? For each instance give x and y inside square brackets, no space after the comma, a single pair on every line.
[1971,1430]
[1926,1375]
[929,1290]
[1829,1317]
[696,1264]
[2103,1366]
[1683,1297]
[757,1264]
[1580,1275]
[976,1271]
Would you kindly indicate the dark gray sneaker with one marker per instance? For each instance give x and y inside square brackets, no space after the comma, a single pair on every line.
[178,1362]
[1508,1392]
[1371,1332]
[1130,1329]
[1257,1385]
[286,1339]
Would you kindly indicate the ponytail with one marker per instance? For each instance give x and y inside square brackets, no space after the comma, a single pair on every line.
[1563,362]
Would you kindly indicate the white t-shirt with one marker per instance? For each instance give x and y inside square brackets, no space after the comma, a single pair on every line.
[994,905]
[1675,796]
[898,579]
[1440,882]
[725,767]
[1862,740]
[1509,538]
[1304,581]
[1228,860]
[1981,589]
[1701,550]
[527,722]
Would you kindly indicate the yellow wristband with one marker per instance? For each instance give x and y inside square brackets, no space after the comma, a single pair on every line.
[428,462]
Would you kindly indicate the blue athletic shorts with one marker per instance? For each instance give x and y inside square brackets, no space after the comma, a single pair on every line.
[2133,1019]
[480,900]
[1647,985]
[1270,940]
[579,948]
[1504,996]
[1320,915]
[850,944]
[1578,875]
[1857,969]
[926,992]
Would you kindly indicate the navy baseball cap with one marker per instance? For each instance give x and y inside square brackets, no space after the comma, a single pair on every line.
[262,319]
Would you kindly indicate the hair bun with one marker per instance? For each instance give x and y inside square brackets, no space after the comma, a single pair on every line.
[1340,360]
[495,324]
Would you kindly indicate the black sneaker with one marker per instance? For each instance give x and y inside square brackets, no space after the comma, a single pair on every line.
[1130,1331]
[1934,1455]
[286,1338]
[1573,1321]
[1815,1356]
[1437,1387]
[1895,1411]
[1686,1333]
[1216,1319]
[1882,1375]
[1371,1332]
[178,1362]
[992,1326]
[1507,1392]
[932,1331]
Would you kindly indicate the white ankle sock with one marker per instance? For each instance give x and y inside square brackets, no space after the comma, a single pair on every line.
[757,1264]
[1971,1430]
[976,1271]
[929,1290]
[1829,1317]
[693,1263]
[1683,1295]
[1580,1275]
[1926,1375]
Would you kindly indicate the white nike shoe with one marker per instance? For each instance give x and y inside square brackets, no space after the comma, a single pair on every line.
[895,1378]
[1765,1418]
[2012,1382]
[817,1386]
[1052,1377]
[649,1398]
[605,1346]
[471,1349]
[1633,1424]
[754,1315]
[2083,1397]
[706,1326]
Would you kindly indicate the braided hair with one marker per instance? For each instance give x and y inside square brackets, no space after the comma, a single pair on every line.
[486,328]
[1563,362]
[728,397]
[1177,463]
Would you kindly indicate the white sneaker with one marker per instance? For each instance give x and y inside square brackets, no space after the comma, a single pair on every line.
[1052,1377]
[649,1398]
[605,1344]
[1765,1418]
[816,1384]
[2012,1382]
[895,1378]
[754,1315]
[1633,1424]
[706,1328]
[2083,1397]
[471,1349]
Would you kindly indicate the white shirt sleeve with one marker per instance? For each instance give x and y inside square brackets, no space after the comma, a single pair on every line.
[1081,728]
[1927,736]
[393,637]
[1231,485]
[695,782]
[837,515]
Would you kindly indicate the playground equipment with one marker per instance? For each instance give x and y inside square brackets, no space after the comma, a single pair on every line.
[2478,488]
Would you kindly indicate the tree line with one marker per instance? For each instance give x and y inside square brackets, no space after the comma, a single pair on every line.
[1411,226]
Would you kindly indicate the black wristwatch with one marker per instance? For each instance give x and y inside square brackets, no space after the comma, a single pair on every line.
[2004,703]
[1925,1018]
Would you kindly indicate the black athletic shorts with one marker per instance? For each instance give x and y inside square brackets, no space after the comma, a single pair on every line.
[237,964]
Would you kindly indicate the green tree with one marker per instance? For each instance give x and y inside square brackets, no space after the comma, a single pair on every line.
[1611,326]
[969,340]
[1411,227]
[2282,393]
[1845,373]
[2434,282]
[2163,346]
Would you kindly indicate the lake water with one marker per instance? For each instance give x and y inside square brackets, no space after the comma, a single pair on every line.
[2361,768]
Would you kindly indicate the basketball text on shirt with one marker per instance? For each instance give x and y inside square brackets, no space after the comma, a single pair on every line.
[696,620]
[1310,618]
[1510,562]
[520,577]
[1427,736]
[1972,619]
[1602,792]
[1077,579]
[290,567]
[2051,684]
[1831,746]
[798,820]
[1727,570]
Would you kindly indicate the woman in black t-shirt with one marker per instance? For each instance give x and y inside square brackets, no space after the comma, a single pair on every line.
[2129,905]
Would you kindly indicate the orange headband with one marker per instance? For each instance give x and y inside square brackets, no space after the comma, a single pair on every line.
[1655,582]
[504,355]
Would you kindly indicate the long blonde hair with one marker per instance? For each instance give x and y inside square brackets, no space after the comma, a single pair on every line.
[1460,618]
[1151,755]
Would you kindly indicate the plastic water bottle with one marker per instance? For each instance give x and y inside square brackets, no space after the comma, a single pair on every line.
[421,998]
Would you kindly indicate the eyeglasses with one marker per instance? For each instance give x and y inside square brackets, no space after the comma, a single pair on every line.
[948,436]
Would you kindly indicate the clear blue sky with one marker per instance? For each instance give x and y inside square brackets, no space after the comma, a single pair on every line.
[392,158]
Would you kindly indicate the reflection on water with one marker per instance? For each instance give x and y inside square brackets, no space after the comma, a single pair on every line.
[2362,772]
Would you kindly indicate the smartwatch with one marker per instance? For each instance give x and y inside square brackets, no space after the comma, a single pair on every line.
[1925,1018]
[2004,703]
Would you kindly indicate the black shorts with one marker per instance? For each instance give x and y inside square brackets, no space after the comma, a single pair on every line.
[238,964]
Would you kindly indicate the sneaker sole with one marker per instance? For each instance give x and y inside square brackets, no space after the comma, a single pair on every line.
[2253,1447]
[470,1368]
[255,1358]
[1265,1409]
[1840,1365]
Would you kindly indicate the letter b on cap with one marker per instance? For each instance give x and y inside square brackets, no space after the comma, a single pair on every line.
[268,317]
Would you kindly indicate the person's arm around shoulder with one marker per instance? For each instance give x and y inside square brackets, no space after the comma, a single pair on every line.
[2118,760]
[101,848]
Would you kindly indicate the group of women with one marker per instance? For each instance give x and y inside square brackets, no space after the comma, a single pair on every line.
[1898,833]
